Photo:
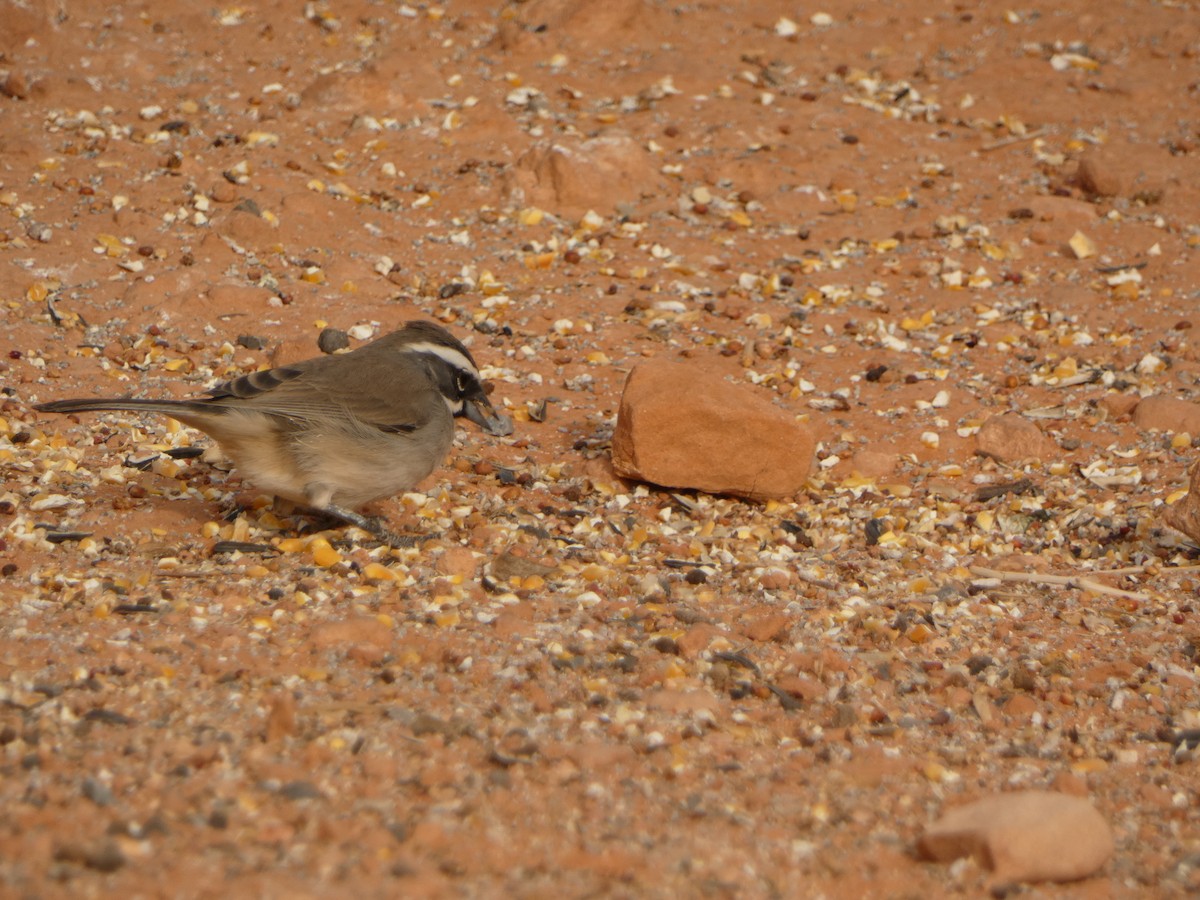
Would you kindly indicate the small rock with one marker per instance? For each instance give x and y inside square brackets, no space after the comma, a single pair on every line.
[1024,836]
[1184,516]
[14,85]
[571,178]
[1118,405]
[102,855]
[799,686]
[1020,706]
[771,627]
[512,564]
[774,579]
[39,231]
[1164,413]
[1012,437]
[683,425]
[332,340]
[1069,783]
[696,639]
[98,792]
[1101,175]
[223,192]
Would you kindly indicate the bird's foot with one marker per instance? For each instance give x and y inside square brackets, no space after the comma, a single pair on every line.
[376,526]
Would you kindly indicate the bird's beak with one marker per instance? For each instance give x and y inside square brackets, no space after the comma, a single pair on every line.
[480,411]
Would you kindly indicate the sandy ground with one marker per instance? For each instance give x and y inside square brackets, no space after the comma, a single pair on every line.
[897,219]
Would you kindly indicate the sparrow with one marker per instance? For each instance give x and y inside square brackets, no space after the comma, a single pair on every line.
[336,432]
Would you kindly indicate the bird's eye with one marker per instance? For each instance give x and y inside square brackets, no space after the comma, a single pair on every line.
[460,384]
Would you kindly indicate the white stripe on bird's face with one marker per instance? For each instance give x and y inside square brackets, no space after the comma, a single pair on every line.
[455,358]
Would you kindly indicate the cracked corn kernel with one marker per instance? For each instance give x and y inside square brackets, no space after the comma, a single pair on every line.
[378,572]
[323,554]
[919,633]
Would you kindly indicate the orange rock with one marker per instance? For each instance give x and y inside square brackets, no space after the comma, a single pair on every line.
[682,425]
[569,178]
[1100,174]
[775,580]
[1020,706]
[1118,405]
[1024,836]
[771,627]
[1011,437]
[799,686]
[1164,413]
[696,639]
[1070,783]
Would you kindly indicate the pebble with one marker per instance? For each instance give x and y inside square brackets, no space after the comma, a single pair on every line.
[1101,175]
[682,425]
[570,179]
[771,627]
[1012,437]
[1119,405]
[1165,413]
[224,192]
[98,792]
[15,85]
[331,340]
[102,855]
[1024,836]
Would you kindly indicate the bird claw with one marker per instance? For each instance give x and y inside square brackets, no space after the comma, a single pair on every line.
[376,526]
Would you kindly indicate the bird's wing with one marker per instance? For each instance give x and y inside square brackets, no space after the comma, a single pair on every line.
[391,394]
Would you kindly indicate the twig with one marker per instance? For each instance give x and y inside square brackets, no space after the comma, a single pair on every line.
[1073,581]
[1014,139]
[815,581]
[1142,570]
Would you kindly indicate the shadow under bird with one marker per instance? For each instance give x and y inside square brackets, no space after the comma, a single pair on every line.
[336,432]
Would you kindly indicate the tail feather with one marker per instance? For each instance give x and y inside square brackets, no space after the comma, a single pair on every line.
[127,404]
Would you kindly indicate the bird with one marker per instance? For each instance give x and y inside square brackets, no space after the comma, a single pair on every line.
[336,432]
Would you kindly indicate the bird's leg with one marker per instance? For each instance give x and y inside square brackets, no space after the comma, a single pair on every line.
[376,526]
[320,497]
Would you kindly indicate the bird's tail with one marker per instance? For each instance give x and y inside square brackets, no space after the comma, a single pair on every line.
[176,408]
